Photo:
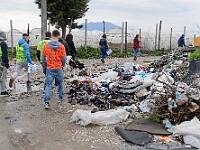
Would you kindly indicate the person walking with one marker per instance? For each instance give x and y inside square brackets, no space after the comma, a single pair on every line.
[41,45]
[103,47]
[39,51]
[23,59]
[4,65]
[71,46]
[181,42]
[136,46]
[54,59]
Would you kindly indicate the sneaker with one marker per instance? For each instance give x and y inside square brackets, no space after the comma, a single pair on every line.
[6,93]
[11,83]
[46,105]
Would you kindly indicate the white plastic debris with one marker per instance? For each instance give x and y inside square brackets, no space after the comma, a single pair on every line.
[142,93]
[129,108]
[111,75]
[166,79]
[33,68]
[144,107]
[109,52]
[190,131]
[18,130]
[112,116]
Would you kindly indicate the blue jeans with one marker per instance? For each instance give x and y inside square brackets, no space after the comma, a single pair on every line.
[52,74]
[103,51]
[136,52]
[44,71]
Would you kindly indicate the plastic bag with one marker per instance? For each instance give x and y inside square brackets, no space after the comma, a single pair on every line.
[111,75]
[190,131]
[33,68]
[166,79]
[109,52]
[112,116]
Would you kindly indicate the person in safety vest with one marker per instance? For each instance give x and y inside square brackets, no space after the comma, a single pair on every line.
[23,58]
[4,65]
[41,45]
[40,48]
[54,59]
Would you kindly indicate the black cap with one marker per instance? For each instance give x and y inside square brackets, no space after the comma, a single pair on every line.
[25,34]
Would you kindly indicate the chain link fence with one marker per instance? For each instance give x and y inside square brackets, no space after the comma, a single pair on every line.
[114,37]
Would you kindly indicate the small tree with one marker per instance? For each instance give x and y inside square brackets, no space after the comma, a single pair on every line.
[63,13]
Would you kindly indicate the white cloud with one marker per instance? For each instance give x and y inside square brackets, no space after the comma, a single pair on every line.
[139,13]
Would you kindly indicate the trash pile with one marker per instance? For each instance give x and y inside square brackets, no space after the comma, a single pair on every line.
[158,89]
[156,85]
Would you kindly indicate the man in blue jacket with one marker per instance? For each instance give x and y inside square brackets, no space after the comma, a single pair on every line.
[181,41]
[23,59]
[4,65]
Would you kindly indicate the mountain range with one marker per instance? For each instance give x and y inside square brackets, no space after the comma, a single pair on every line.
[92,26]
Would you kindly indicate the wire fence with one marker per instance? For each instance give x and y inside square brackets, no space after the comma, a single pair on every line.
[114,36]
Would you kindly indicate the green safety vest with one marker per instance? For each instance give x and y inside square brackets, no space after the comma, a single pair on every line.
[20,55]
[41,46]
[1,51]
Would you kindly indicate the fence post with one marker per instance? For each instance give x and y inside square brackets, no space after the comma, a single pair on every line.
[11,31]
[159,35]
[156,36]
[104,27]
[85,33]
[122,40]
[170,44]
[126,36]
[184,30]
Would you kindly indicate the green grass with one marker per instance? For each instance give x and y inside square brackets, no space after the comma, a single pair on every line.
[154,117]
[195,55]
[95,53]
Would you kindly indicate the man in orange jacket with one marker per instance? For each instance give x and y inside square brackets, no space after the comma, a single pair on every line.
[54,59]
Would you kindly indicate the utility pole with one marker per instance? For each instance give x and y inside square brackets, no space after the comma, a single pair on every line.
[126,36]
[86,33]
[11,31]
[122,41]
[170,43]
[43,18]
[156,36]
[159,34]
[104,27]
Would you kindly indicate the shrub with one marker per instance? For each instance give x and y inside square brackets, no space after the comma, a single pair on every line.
[195,55]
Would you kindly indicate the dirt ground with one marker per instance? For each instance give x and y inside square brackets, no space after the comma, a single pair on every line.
[25,125]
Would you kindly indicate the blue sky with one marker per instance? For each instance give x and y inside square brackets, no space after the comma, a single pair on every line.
[138,13]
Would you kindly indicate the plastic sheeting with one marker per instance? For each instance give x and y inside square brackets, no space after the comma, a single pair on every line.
[190,131]
[112,116]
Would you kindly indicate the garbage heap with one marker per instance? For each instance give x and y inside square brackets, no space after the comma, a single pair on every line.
[157,87]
